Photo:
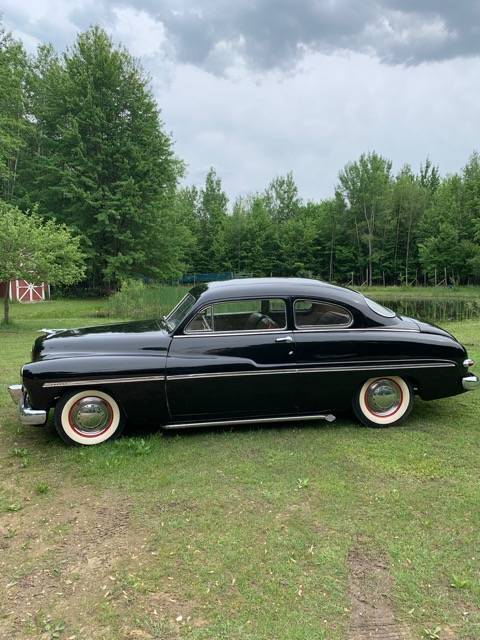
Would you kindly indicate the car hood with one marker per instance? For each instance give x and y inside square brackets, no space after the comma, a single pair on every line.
[119,338]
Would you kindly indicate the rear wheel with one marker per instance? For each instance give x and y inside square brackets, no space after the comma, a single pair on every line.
[383,402]
[88,417]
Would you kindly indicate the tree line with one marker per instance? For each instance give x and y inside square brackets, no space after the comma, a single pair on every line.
[82,142]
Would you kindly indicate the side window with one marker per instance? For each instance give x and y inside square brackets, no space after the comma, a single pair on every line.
[313,314]
[202,322]
[259,314]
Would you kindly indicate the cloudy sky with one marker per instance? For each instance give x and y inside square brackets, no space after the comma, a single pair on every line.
[257,88]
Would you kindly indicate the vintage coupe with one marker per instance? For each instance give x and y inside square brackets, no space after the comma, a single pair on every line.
[239,352]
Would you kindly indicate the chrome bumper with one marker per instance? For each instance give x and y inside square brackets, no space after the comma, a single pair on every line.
[471,382]
[26,414]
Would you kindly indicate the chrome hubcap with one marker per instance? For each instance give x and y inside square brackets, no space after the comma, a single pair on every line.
[90,415]
[383,397]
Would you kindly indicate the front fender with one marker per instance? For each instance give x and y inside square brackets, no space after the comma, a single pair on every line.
[136,382]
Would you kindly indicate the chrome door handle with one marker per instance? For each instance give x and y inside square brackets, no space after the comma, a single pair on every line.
[284,339]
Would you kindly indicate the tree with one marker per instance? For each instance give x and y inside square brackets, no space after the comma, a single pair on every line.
[365,187]
[446,234]
[102,162]
[14,125]
[212,213]
[281,198]
[36,250]
[410,197]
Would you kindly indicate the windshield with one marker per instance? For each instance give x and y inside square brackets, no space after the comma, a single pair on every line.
[381,310]
[178,313]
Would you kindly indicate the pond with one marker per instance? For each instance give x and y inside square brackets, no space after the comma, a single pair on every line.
[436,310]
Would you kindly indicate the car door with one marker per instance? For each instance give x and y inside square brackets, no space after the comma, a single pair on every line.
[233,361]
[325,350]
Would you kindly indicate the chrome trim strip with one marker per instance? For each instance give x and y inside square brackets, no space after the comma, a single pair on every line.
[295,331]
[247,332]
[348,329]
[219,423]
[235,374]
[82,383]
[333,369]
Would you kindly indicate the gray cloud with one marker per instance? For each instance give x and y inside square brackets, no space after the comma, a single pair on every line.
[258,88]
[274,33]
[269,34]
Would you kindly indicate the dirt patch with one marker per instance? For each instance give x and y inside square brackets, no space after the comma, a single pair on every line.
[371,611]
[71,562]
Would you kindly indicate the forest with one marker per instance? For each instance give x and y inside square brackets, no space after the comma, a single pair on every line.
[82,142]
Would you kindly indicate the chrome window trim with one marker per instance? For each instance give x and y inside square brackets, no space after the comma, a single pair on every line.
[320,330]
[189,334]
[81,383]
[262,332]
[295,370]
[321,326]
[247,332]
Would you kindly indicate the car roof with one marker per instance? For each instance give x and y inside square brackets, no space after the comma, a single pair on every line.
[298,287]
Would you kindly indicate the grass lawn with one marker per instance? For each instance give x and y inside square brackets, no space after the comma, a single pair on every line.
[297,533]
[421,293]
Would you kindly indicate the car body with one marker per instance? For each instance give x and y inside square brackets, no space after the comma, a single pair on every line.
[240,351]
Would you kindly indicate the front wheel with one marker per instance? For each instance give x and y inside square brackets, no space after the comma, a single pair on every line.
[88,417]
[383,402]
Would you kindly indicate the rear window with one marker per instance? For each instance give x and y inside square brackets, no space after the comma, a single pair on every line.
[380,309]
[313,314]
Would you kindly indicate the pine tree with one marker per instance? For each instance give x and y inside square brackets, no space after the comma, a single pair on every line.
[102,162]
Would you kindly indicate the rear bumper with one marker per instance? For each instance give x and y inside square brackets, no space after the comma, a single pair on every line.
[471,382]
[26,414]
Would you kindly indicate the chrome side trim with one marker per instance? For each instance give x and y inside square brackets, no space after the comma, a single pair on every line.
[348,329]
[220,423]
[235,374]
[295,331]
[239,374]
[82,383]
[470,382]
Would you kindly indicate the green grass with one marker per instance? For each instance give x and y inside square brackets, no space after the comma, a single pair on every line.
[421,293]
[245,533]
[137,300]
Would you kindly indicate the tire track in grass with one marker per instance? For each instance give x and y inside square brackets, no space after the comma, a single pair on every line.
[371,610]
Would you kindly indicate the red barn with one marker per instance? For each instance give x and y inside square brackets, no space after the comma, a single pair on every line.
[24,291]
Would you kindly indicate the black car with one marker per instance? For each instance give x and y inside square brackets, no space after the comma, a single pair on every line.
[238,352]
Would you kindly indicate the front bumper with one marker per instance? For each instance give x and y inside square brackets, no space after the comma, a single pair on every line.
[26,414]
[471,382]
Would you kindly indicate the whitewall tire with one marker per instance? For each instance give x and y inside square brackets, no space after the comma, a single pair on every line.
[383,401]
[88,417]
